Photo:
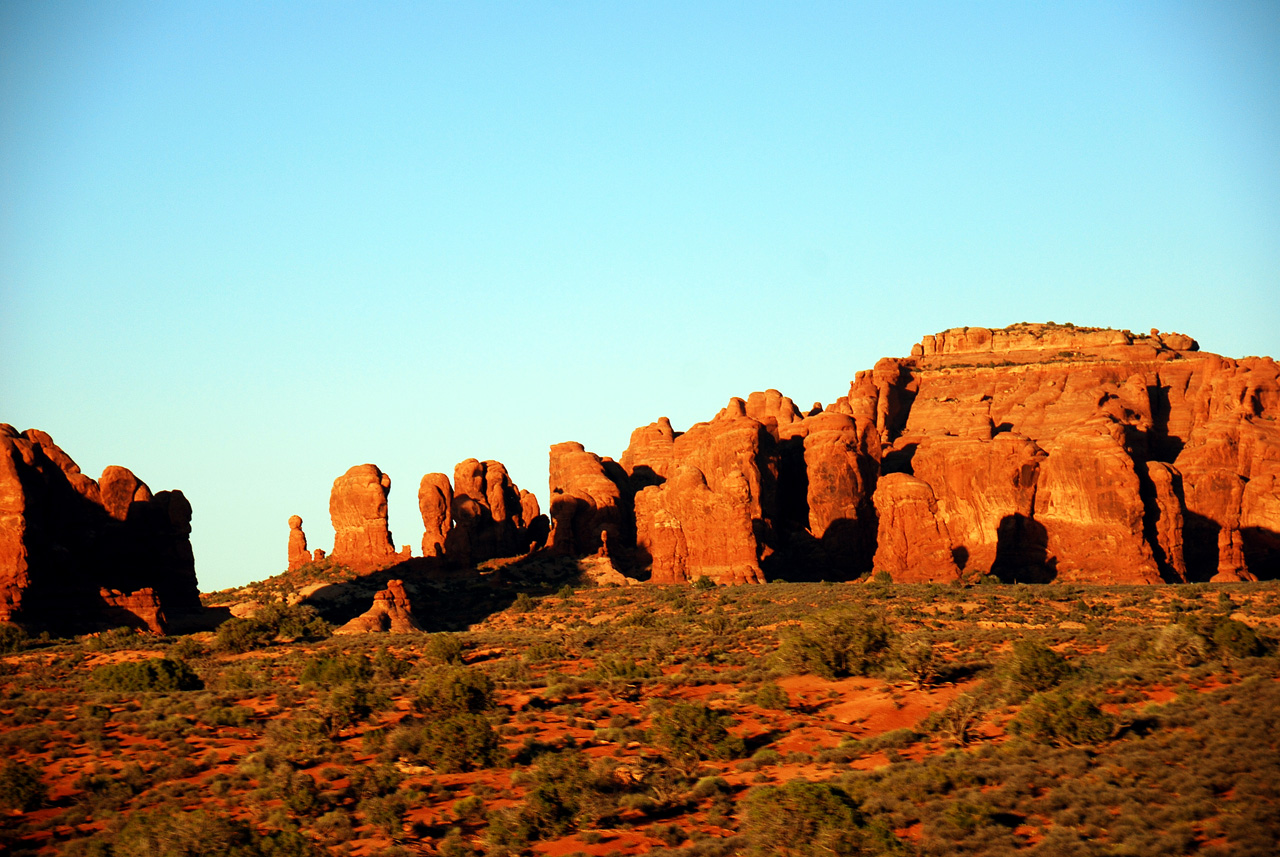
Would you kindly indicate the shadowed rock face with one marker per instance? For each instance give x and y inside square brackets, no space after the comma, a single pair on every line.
[1036,452]
[358,509]
[76,553]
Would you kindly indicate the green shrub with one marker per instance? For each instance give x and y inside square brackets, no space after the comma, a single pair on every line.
[772,696]
[21,788]
[691,732]
[1234,638]
[1034,667]
[448,689]
[1063,719]
[443,648]
[12,638]
[703,583]
[156,674]
[238,635]
[803,819]
[458,742]
[332,670]
[1181,646]
[524,604]
[837,644]
[918,658]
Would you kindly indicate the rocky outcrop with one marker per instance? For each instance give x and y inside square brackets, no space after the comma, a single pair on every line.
[358,509]
[587,500]
[391,613]
[65,539]
[489,515]
[913,544]
[435,502]
[298,553]
[1035,452]
[712,516]
[141,609]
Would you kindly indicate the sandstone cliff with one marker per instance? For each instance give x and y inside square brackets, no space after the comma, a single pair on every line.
[1036,452]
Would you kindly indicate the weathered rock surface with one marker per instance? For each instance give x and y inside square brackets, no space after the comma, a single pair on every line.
[66,538]
[587,500]
[489,515]
[711,517]
[298,553]
[913,544]
[435,502]
[1036,452]
[358,509]
[391,613]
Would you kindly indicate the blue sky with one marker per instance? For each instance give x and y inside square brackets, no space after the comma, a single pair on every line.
[244,246]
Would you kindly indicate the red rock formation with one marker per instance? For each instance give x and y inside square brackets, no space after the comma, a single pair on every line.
[435,501]
[913,544]
[488,515]
[141,609]
[586,502]
[1163,524]
[298,553]
[647,460]
[841,462]
[65,537]
[1089,502]
[712,516]
[391,613]
[358,509]
[982,487]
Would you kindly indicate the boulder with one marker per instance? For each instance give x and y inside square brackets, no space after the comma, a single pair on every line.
[587,502]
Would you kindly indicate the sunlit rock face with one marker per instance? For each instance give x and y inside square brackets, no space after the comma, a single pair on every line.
[358,510]
[1036,452]
[78,553]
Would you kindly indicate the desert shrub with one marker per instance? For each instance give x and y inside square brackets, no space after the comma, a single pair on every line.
[1034,667]
[448,689]
[21,787]
[171,832]
[1234,638]
[335,669]
[12,638]
[1063,719]
[239,634]
[957,721]
[458,742]
[1178,644]
[156,674]
[443,648]
[294,621]
[524,604]
[771,696]
[837,644]
[919,660]
[386,812]
[703,583]
[186,649]
[565,790]
[691,732]
[799,819]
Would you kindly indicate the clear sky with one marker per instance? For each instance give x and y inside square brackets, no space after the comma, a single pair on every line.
[244,246]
